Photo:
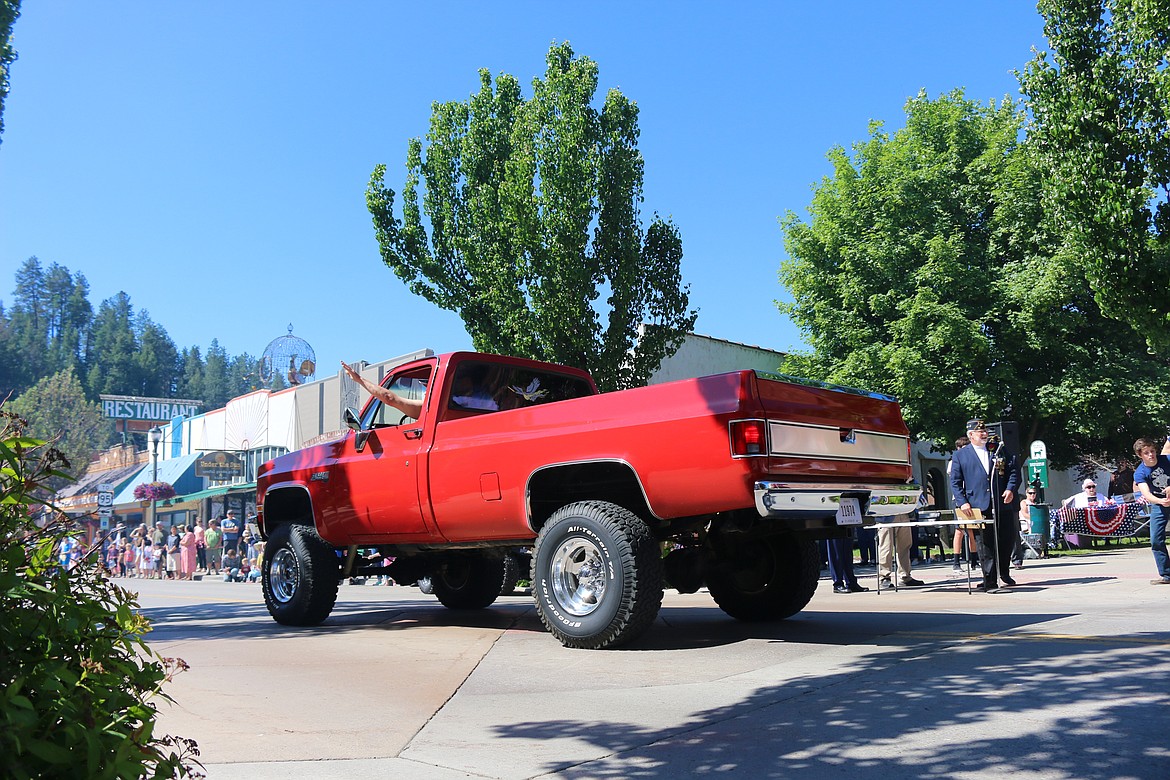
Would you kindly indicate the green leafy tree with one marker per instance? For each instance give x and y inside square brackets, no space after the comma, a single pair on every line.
[79,681]
[56,410]
[930,270]
[530,209]
[9,12]
[1101,106]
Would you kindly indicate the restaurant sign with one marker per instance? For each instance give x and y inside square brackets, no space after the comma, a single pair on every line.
[219,466]
[126,407]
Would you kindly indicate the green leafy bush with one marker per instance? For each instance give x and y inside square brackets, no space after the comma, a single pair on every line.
[79,681]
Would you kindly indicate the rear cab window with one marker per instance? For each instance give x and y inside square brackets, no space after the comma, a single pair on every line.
[480,387]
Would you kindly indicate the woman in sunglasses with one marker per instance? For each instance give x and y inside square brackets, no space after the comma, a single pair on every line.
[1026,504]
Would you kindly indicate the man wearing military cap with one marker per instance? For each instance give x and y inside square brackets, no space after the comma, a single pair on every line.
[980,476]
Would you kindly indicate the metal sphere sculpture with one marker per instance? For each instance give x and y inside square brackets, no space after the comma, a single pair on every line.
[289,357]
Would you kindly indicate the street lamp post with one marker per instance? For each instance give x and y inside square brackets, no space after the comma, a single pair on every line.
[156,435]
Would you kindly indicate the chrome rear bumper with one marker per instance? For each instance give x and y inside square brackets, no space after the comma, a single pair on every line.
[788,499]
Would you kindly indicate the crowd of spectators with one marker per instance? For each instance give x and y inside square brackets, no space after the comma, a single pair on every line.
[225,548]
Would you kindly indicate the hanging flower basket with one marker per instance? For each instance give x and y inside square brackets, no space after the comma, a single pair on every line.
[154,491]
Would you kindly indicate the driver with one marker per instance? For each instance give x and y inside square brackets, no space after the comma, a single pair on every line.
[389,397]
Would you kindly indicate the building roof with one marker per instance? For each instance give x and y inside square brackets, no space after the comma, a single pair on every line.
[89,481]
[737,343]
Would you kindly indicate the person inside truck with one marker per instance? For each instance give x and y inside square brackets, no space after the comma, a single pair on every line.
[411,408]
[471,389]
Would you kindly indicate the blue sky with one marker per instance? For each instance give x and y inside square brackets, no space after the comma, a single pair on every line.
[210,158]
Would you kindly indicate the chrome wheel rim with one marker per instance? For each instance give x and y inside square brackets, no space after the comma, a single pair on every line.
[578,577]
[284,575]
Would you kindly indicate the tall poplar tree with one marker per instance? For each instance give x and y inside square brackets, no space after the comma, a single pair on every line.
[531,209]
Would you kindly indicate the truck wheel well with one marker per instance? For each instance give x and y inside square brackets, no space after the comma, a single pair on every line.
[289,505]
[614,481]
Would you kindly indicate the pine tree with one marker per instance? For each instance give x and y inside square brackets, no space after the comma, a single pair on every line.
[191,374]
[244,374]
[157,360]
[28,324]
[112,360]
[215,377]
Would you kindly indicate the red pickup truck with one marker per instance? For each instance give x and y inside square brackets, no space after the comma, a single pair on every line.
[725,481]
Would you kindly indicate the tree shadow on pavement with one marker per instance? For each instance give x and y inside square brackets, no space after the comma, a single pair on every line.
[692,627]
[1054,707]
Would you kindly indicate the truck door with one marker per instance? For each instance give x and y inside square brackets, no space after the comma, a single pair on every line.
[378,467]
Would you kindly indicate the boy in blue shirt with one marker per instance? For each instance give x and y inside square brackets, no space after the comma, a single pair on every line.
[1152,478]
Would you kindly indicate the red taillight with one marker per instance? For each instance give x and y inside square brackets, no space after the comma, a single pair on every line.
[749,437]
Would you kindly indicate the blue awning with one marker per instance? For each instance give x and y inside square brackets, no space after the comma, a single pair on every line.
[179,472]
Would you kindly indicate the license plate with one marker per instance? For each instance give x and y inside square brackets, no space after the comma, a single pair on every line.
[849,512]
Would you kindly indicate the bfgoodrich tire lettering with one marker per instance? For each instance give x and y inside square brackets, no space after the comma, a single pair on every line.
[766,579]
[300,576]
[596,575]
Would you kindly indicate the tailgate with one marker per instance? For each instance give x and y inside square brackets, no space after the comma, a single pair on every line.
[824,431]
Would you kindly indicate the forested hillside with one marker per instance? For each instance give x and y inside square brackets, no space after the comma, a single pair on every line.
[50,330]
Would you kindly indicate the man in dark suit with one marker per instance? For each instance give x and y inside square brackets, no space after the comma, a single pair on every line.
[979,476]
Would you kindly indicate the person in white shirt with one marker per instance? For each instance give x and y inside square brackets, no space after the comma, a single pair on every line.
[1086,497]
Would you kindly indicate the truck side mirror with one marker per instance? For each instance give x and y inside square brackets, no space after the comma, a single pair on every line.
[351,420]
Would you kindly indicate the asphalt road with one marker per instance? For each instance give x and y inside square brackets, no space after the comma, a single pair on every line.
[1065,676]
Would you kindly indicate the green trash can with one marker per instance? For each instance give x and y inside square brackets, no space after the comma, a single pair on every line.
[1039,523]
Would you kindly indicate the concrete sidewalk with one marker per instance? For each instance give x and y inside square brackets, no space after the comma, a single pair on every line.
[1065,676]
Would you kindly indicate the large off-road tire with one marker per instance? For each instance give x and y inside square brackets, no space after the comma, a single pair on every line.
[468,581]
[300,576]
[765,579]
[596,575]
